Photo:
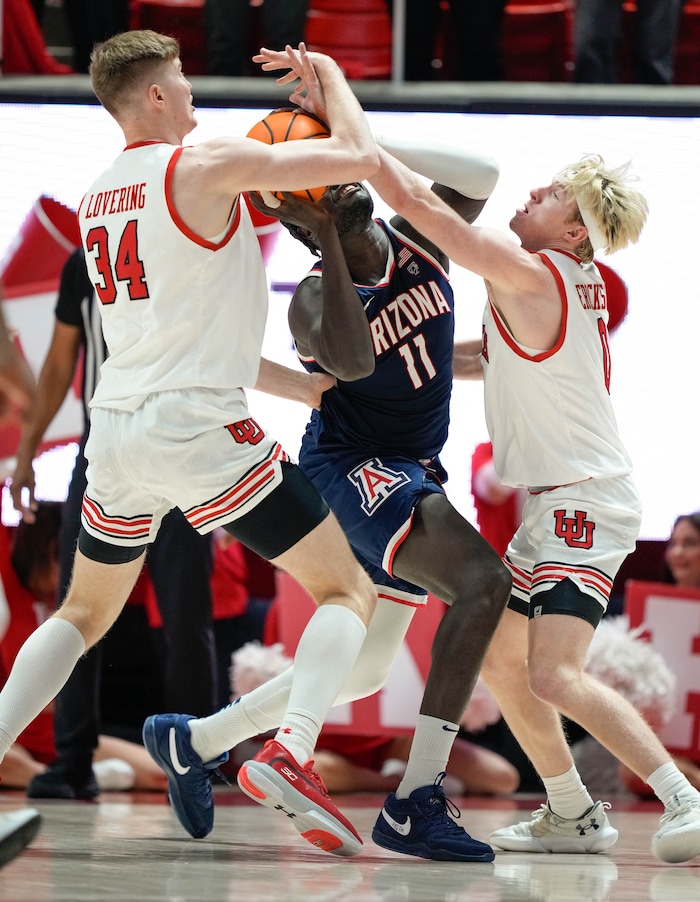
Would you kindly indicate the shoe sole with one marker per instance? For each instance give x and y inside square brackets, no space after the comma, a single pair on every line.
[421,851]
[261,783]
[558,845]
[150,740]
[12,845]
[681,845]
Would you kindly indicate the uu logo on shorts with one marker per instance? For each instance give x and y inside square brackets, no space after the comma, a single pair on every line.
[246,432]
[576,531]
[375,483]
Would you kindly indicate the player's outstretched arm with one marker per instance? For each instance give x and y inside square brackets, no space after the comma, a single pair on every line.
[293,385]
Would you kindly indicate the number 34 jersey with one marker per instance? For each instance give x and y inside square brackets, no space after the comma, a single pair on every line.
[178,310]
[403,407]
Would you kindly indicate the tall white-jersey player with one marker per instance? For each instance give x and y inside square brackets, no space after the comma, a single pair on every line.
[179,275]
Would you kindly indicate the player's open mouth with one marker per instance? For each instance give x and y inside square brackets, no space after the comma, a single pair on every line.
[344,190]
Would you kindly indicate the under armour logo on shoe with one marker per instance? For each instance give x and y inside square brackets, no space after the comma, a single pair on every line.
[590,827]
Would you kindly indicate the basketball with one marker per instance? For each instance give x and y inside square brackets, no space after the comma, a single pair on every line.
[291,125]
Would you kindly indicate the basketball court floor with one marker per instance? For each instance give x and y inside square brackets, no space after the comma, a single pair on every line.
[130,847]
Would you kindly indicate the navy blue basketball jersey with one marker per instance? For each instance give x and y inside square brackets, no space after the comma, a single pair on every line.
[403,407]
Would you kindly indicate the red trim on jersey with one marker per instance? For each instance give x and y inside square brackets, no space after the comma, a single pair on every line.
[178,221]
[508,338]
[123,527]
[142,144]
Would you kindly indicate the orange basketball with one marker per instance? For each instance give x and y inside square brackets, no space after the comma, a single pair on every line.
[291,125]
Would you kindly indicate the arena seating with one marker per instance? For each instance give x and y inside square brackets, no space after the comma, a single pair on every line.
[183,19]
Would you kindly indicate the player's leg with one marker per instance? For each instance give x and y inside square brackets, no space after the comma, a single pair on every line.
[293,528]
[561,680]
[444,554]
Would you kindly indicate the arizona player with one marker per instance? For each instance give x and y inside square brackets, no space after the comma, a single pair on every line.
[377,311]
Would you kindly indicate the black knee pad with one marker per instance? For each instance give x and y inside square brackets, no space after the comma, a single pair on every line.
[106,553]
[567,598]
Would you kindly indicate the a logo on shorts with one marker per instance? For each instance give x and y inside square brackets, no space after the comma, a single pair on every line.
[576,531]
[375,483]
[246,432]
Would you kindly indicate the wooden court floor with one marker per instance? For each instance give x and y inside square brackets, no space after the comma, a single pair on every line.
[130,847]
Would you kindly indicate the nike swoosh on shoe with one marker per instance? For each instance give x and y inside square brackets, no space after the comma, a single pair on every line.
[404,829]
[174,759]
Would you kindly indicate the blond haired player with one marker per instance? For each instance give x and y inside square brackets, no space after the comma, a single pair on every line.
[546,367]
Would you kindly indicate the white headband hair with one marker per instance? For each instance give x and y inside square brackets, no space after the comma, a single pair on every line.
[595,233]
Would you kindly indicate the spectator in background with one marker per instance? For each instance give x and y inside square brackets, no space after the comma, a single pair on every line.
[498,506]
[17,395]
[682,555]
[29,574]
[476,33]
[597,34]
[682,559]
[179,561]
[228,31]
[89,21]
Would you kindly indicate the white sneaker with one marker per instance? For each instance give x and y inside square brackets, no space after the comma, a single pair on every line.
[547,832]
[678,837]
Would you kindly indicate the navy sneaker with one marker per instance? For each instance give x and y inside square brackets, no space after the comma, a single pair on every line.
[421,825]
[167,738]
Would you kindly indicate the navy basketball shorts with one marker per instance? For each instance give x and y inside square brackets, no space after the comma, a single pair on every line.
[373,499]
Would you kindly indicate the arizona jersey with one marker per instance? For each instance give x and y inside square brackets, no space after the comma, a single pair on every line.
[178,310]
[403,407]
[549,413]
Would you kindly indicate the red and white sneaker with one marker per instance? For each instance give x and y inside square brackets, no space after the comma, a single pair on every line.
[274,779]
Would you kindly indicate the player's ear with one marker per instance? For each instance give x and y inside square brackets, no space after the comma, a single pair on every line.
[576,232]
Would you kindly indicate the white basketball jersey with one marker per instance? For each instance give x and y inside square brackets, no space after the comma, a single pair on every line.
[178,310]
[549,413]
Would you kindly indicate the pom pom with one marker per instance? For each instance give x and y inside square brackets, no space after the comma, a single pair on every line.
[628,664]
[254,664]
[482,710]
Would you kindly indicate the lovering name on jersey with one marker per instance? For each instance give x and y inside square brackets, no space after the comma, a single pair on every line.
[592,297]
[118,200]
[406,313]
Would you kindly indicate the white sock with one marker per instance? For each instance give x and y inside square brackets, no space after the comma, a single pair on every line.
[42,666]
[325,656]
[430,749]
[257,712]
[667,781]
[567,795]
